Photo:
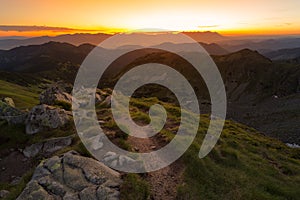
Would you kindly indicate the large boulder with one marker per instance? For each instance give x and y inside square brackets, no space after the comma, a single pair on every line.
[55,95]
[72,176]
[44,117]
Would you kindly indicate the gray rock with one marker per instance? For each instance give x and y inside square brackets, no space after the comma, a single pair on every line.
[89,193]
[51,185]
[4,193]
[34,191]
[11,114]
[32,150]
[106,102]
[56,144]
[44,117]
[71,196]
[72,177]
[53,164]
[16,181]
[98,98]
[105,193]
[53,95]
[40,171]
[47,147]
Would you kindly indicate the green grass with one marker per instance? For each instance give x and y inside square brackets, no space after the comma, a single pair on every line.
[24,97]
[64,105]
[12,136]
[134,188]
[243,165]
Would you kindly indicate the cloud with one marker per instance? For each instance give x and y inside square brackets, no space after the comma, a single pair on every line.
[38,28]
[211,26]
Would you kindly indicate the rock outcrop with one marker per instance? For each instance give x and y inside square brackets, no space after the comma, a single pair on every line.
[72,176]
[55,95]
[47,147]
[44,117]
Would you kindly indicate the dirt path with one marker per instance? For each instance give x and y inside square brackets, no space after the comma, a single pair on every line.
[163,182]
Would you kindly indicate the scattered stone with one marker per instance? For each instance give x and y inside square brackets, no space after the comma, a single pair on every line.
[107,101]
[32,150]
[4,193]
[153,147]
[294,146]
[11,114]
[72,177]
[9,101]
[15,181]
[98,98]
[44,117]
[48,146]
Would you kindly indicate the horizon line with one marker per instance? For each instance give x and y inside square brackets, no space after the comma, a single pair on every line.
[52,31]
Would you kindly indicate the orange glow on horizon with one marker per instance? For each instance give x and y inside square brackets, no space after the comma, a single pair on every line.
[237,32]
[231,17]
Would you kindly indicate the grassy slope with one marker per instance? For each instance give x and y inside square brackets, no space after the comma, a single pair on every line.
[24,97]
[243,165]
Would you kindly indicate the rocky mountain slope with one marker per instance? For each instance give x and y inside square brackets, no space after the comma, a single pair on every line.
[244,164]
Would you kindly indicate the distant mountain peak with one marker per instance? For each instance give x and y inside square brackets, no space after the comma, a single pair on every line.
[249,55]
[207,36]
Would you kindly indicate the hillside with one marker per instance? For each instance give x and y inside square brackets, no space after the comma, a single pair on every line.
[284,54]
[262,94]
[244,164]
[252,81]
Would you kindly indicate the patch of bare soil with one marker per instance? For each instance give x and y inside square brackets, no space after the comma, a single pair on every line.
[13,165]
[164,182]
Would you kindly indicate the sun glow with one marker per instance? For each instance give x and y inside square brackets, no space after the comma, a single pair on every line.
[91,16]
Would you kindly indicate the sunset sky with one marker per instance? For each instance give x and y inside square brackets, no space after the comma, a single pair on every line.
[53,17]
